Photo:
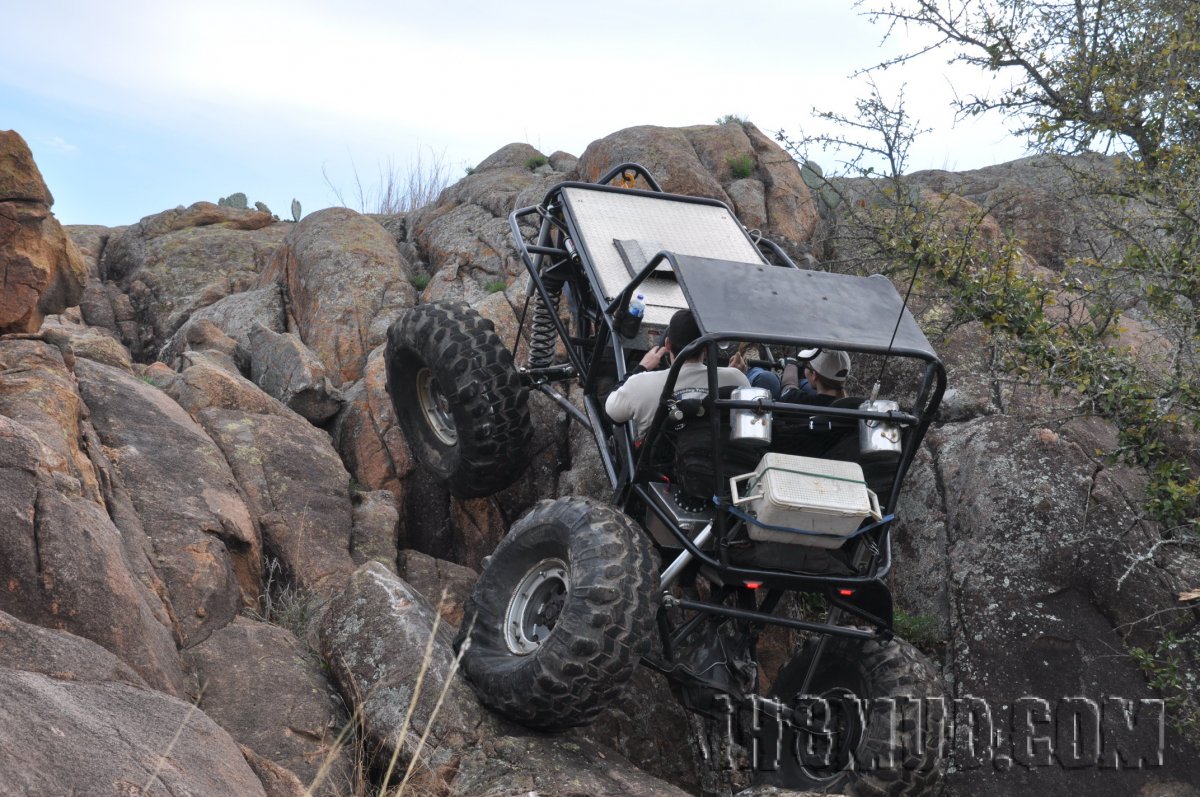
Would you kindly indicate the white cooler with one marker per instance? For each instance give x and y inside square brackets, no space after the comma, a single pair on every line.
[807,494]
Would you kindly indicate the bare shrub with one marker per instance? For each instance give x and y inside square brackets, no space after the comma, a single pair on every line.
[396,190]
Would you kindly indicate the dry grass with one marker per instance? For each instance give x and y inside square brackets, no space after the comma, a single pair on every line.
[353,736]
[396,190]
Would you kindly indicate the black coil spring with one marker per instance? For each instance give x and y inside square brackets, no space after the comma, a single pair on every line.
[543,335]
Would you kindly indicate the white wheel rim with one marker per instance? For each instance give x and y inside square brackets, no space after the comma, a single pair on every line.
[535,607]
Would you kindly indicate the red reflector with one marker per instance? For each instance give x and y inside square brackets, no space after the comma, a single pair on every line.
[845,593]
[753,584]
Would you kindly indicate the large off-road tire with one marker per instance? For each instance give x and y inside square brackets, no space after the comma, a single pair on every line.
[458,398]
[561,614]
[909,760]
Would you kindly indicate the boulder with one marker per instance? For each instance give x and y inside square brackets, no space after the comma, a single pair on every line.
[295,486]
[59,654]
[37,389]
[1042,200]
[73,555]
[375,528]
[379,634]
[72,737]
[276,781]
[206,546]
[344,282]
[206,382]
[991,491]
[207,343]
[465,236]
[41,269]
[85,341]
[234,316]
[173,263]
[701,160]
[366,432]
[288,370]
[552,766]
[666,152]
[258,684]
[91,240]
[376,634]
[445,585]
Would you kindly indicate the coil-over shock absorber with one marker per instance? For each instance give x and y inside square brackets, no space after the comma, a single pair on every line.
[543,335]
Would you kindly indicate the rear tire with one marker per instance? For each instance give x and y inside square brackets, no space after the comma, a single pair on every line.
[458,398]
[909,760]
[561,614]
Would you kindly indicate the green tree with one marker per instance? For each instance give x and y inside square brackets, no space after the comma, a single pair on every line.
[1125,73]
[1120,77]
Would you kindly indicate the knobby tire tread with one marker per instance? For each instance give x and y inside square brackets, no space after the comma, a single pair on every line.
[476,373]
[604,628]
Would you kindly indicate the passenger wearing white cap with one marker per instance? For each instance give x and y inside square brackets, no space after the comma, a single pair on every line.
[826,373]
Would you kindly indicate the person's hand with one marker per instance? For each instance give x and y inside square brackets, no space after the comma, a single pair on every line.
[652,359]
[738,362]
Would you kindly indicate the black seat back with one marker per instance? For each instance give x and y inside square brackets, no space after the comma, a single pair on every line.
[693,466]
[816,435]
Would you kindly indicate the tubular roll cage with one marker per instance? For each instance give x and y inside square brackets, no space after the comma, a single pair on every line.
[552,258]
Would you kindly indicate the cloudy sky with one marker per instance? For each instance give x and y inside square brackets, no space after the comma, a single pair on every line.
[135,106]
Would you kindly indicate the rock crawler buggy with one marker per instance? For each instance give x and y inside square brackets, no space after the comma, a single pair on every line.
[704,538]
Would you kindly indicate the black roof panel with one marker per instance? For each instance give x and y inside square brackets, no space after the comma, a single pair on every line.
[797,306]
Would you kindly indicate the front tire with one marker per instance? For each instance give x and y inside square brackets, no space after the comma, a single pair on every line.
[561,614]
[458,398]
[893,753]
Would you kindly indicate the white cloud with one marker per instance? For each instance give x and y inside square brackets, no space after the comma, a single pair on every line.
[377,80]
[60,144]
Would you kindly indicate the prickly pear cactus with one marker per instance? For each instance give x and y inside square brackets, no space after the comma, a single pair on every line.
[262,206]
[295,210]
[237,201]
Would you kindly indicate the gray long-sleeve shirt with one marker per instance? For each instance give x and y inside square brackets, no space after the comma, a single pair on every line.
[638,397]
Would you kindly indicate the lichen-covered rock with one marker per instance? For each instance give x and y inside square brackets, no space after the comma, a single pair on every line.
[206,546]
[378,635]
[1028,552]
[86,341]
[465,237]
[173,263]
[71,737]
[258,684]
[701,160]
[288,370]
[375,528]
[277,781]
[91,239]
[72,555]
[41,269]
[207,343]
[444,584]
[297,488]
[59,654]
[367,435]
[294,484]
[344,282]
[234,316]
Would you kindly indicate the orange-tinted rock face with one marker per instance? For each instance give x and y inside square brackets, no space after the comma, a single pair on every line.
[41,270]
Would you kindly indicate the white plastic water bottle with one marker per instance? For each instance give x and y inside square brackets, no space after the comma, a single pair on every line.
[633,316]
[637,307]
